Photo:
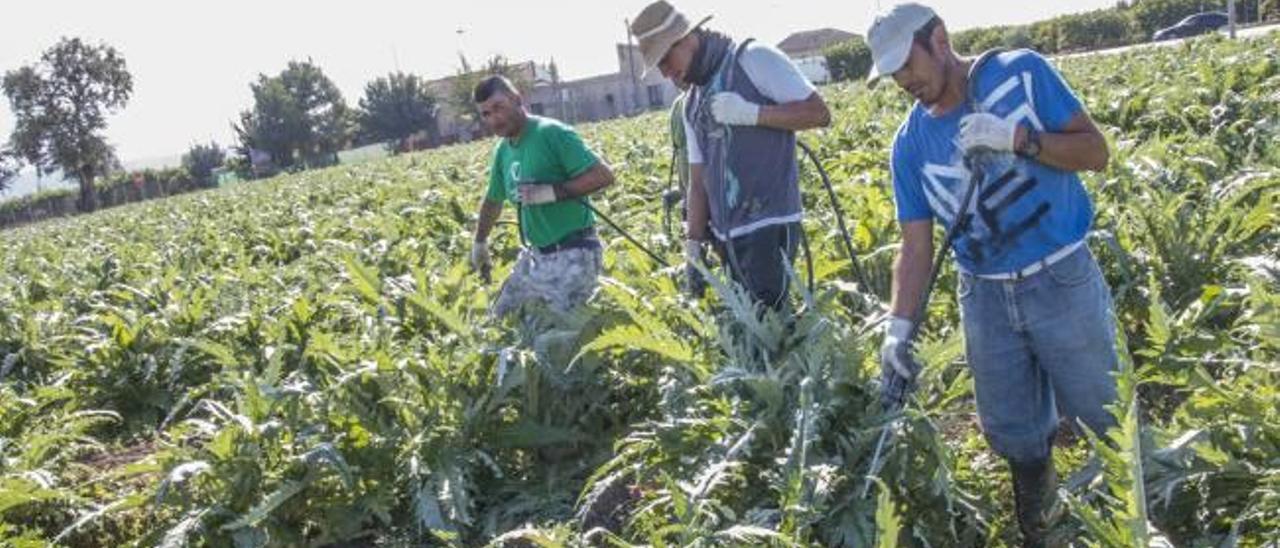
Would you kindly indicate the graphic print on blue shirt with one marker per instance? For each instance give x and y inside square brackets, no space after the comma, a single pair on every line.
[1022,210]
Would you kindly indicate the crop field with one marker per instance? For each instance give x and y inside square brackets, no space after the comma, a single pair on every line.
[307,361]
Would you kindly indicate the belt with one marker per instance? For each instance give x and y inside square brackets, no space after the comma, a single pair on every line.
[1042,264]
[578,239]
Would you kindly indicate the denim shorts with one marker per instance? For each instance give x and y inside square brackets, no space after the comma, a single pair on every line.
[1039,346]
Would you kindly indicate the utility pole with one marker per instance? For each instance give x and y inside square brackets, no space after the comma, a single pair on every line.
[1231,18]
[631,64]
[461,32]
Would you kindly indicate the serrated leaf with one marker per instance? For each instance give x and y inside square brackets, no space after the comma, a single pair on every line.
[262,510]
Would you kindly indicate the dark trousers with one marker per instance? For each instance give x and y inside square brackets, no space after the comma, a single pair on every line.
[758,261]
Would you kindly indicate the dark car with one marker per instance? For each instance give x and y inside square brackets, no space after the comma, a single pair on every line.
[1193,25]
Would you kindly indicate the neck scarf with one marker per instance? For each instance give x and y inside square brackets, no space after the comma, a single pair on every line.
[712,49]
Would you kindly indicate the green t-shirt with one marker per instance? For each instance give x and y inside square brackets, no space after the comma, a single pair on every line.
[547,152]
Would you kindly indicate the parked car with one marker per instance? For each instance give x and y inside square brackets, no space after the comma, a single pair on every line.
[1193,25]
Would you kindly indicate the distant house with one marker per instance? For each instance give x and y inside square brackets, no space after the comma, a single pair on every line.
[623,93]
[805,48]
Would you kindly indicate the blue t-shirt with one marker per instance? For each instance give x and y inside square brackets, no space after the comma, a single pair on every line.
[1023,210]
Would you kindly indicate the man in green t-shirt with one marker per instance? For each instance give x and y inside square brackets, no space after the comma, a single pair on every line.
[543,167]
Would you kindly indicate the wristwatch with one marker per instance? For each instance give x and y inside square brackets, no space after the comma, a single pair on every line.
[1031,146]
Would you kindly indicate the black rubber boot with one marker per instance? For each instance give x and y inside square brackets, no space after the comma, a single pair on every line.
[1034,485]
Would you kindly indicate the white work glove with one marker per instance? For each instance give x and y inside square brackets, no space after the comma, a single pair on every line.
[537,194]
[987,131]
[898,369]
[692,251]
[694,284]
[731,109]
[481,261]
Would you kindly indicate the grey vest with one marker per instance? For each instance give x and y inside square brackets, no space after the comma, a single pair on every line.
[750,172]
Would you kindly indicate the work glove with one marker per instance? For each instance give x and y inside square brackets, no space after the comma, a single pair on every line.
[987,131]
[731,109]
[536,194]
[694,284]
[898,369]
[481,261]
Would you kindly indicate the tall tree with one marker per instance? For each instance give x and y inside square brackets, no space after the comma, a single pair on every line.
[201,160]
[848,60]
[61,104]
[396,107]
[298,117]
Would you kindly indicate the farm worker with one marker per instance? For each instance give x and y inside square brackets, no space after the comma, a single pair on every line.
[1036,312]
[543,167]
[746,101]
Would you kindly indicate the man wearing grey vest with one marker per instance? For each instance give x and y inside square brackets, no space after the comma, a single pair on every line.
[746,101]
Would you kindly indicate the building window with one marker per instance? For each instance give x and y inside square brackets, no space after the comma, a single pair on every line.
[537,109]
[655,96]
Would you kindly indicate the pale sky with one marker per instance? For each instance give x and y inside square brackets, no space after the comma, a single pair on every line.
[192,61]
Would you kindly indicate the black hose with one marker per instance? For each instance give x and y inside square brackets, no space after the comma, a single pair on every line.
[667,204]
[835,204]
[658,259]
[808,258]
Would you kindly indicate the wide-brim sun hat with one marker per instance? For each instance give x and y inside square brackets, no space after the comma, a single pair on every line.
[658,27]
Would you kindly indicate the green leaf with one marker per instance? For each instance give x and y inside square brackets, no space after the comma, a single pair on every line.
[176,536]
[220,353]
[363,280]
[263,509]
[530,434]
[888,523]
[632,337]
[16,492]
[430,308]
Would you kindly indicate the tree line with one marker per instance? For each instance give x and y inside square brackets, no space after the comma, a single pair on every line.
[298,119]
[1126,23]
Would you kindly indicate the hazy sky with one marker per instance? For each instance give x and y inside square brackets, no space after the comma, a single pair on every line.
[192,61]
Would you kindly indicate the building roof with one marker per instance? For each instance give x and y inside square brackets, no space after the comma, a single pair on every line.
[812,41]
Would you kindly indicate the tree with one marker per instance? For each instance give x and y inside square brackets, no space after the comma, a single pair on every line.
[396,107]
[848,60]
[61,104]
[201,160]
[10,165]
[299,117]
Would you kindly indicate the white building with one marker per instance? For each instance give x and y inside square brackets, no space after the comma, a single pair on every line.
[805,48]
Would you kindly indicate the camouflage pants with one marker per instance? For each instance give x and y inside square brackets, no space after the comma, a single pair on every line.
[563,280]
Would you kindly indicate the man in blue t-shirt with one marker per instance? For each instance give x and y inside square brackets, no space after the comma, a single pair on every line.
[1036,312]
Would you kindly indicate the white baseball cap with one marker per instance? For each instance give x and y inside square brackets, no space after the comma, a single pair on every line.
[892,34]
